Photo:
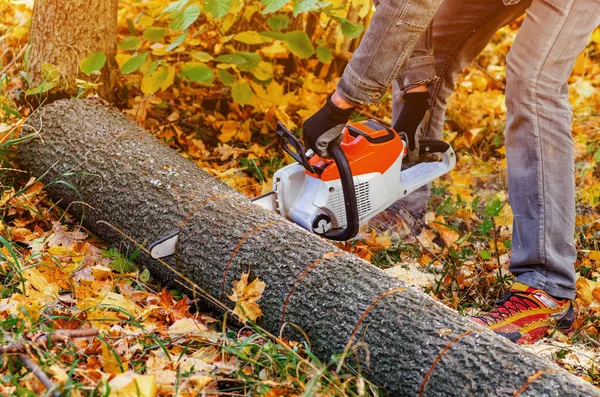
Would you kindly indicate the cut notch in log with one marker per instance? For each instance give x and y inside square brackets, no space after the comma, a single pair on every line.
[409,343]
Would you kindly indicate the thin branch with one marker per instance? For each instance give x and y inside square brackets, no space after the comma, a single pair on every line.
[590,339]
[19,55]
[41,375]
[60,336]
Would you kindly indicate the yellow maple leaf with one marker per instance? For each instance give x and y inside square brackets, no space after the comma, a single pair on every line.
[245,296]
[229,129]
[109,361]
[130,384]
[588,291]
[594,255]
[505,218]
[446,233]
[118,302]
[271,96]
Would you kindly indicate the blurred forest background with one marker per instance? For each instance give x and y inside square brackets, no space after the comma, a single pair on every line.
[211,79]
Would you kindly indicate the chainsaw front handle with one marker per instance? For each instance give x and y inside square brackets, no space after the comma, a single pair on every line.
[294,147]
[350,203]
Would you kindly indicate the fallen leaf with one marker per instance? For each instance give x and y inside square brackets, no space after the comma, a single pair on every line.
[245,296]
[130,384]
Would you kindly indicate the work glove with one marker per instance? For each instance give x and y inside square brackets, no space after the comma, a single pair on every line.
[324,126]
[412,115]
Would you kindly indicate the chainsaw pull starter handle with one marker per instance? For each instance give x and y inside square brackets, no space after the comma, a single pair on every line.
[350,203]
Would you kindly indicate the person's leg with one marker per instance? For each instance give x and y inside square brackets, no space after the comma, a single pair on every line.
[420,68]
[385,48]
[461,30]
[539,146]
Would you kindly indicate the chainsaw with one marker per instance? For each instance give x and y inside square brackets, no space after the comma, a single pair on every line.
[334,197]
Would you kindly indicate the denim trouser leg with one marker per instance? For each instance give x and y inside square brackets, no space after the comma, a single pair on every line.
[461,30]
[420,68]
[539,146]
[385,48]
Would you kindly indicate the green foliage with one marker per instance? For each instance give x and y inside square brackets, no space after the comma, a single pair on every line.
[130,43]
[272,6]
[93,63]
[226,78]
[217,8]
[41,88]
[299,44]
[352,30]
[120,263]
[178,41]
[197,72]
[324,54]
[245,61]
[301,6]
[278,22]
[182,19]
[241,92]
[154,33]
[134,63]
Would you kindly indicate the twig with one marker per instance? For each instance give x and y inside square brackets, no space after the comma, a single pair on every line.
[590,339]
[37,371]
[19,55]
[371,115]
[60,336]
[482,70]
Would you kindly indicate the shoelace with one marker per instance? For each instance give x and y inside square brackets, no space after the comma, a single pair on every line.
[512,303]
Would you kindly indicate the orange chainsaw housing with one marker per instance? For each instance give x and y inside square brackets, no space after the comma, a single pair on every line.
[368,146]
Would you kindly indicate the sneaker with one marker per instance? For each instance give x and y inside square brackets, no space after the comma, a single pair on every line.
[525,314]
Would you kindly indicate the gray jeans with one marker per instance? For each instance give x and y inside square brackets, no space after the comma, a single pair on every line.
[385,48]
[539,146]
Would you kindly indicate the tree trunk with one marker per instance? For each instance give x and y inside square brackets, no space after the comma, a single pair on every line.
[405,341]
[65,32]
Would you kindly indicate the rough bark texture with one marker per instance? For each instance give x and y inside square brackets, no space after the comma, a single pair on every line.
[65,32]
[412,343]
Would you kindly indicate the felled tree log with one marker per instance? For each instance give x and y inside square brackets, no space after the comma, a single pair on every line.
[407,342]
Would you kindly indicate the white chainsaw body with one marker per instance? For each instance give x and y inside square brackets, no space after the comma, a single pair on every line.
[303,198]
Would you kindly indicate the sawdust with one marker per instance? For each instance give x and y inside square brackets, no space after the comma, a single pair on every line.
[412,275]
[578,358]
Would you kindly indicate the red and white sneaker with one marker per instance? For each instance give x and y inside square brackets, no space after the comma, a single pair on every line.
[525,314]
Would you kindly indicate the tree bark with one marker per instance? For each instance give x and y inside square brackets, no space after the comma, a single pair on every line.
[65,32]
[405,341]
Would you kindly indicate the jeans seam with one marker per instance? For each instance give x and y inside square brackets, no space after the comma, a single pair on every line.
[449,59]
[400,61]
[537,126]
[403,54]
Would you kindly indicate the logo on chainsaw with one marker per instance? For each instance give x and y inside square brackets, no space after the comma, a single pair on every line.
[321,224]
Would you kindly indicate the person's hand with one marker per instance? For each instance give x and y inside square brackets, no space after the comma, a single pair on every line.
[326,124]
[411,116]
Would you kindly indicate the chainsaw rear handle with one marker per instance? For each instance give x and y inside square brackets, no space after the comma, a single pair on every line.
[432,146]
[352,221]
[294,148]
